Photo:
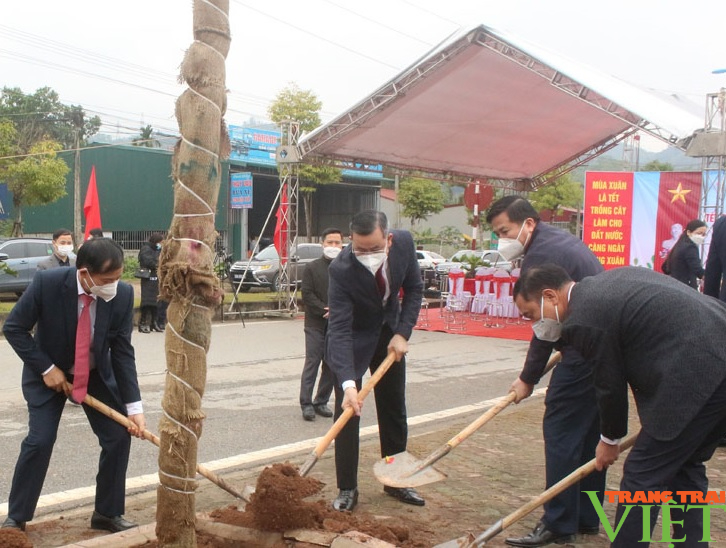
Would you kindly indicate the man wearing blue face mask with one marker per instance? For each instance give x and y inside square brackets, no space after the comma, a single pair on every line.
[367,321]
[622,320]
[82,319]
[570,424]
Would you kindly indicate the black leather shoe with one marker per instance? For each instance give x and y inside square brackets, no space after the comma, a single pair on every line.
[158,327]
[405,494]
[323,410]
[540,536]
[308,412]
[116,524]
[10,523]
[346,500]
[589,530]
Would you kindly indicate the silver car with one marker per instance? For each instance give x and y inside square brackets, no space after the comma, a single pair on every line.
[264,268]
[21,255]
[490,257]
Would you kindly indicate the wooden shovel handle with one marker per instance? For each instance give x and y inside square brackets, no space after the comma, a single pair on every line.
[125,421]
[566,482]
[496,409]
[328,438]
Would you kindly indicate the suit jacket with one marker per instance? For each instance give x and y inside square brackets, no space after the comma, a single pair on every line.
[357,313]
[684,263]
[654,333]
[50,304]
[712,282]
[315,292]
[51,261]
[553,245]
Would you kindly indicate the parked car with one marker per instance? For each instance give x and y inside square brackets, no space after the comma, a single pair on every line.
[428,259]
[458,259]
[264,268]
[21,255]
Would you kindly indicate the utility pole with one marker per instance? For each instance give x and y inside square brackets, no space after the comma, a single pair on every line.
[77,117]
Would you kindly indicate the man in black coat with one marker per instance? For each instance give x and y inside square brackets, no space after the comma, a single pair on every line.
[367,321]
[570,423]
[665,341]
[315,300]
[41,328]
[713,280]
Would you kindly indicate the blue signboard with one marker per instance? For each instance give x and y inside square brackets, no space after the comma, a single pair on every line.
[240,191]
[253,146]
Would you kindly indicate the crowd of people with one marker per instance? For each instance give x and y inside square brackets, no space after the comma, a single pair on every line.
[615,330]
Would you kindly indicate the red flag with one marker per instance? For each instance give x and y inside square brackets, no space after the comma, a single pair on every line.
[281,228]
[92,207]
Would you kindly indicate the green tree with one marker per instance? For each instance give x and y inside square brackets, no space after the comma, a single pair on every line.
[420,198]
[655,165]
[146,138]
[303,107]
[41,116]
[562,192]
[37,179]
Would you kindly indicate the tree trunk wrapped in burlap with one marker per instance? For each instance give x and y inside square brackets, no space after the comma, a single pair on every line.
[186,275]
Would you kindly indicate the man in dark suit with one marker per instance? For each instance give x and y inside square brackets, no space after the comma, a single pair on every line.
[62,251]
[570,423]
[366,322]
[663,339]
[52,305]
[315,299]
[713,280]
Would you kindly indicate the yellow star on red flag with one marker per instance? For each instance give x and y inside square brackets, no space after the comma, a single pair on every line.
[679,193]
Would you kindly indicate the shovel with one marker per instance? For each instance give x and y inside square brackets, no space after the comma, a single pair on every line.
[326,440]
[124,421]
[469,541]
[405,470]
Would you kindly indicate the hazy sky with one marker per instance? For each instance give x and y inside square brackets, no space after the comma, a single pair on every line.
[119,59]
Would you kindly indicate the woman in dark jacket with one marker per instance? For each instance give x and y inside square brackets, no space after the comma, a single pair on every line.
[684,262]
[149,258]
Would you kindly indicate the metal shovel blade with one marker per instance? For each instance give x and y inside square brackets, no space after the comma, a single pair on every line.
[405,470]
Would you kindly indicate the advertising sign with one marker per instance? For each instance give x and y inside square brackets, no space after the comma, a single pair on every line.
[240,191]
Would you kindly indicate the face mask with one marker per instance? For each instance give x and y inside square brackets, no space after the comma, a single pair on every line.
[697,239]
[106,292]
[331,252]
[547,329]
[511,248]
[64,250]
[373,261]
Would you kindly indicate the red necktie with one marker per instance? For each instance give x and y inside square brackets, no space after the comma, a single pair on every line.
[381,282]
[83,349]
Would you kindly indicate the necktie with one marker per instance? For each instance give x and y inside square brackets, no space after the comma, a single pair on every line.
[83,349]
[381,282]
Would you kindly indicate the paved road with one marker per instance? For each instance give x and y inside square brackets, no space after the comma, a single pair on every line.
[251,397]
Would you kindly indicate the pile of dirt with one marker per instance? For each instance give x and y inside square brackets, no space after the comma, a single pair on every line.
[278,505]
[14,538]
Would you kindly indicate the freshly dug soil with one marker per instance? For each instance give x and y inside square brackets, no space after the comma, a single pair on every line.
[13,538]
[278,505]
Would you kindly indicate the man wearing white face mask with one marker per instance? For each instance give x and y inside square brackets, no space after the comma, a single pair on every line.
[655,335]
[82,319]
[367,321]
[315,300]
[62,251]
[570,424]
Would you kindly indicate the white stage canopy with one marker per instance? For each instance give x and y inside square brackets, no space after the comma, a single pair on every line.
[487,105]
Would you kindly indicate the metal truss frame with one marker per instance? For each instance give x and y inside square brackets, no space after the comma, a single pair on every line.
[381,98]
[715,123]
[289,180]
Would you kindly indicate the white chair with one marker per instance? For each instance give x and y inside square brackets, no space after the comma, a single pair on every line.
[457,301]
